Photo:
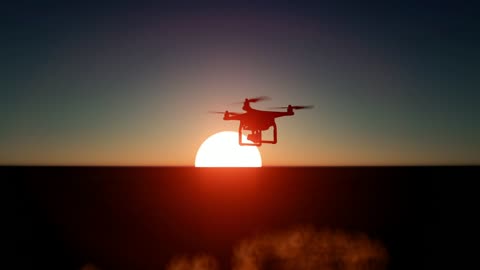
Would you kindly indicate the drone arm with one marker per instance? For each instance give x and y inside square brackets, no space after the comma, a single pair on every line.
[233,117]
[280,114]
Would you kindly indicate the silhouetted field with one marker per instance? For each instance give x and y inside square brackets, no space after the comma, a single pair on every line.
[149,217]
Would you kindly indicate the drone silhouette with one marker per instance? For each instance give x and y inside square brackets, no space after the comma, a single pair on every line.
[256,121]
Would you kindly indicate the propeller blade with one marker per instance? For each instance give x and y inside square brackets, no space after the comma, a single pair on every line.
[230,113]
[302,107]
[255,99]
[293,107]
[260,98]
[217,112]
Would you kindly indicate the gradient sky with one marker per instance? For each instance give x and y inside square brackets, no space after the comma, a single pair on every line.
[395,83]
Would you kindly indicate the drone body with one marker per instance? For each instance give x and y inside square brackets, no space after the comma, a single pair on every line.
[257,121]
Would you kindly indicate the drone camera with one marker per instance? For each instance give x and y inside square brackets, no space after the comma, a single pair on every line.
[254,137]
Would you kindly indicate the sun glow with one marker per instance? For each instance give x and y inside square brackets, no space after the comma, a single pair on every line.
[222,150]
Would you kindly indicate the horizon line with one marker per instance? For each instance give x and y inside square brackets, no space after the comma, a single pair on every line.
[267,166]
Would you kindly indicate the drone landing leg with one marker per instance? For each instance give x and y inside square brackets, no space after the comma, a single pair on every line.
[274,135]
[240,134]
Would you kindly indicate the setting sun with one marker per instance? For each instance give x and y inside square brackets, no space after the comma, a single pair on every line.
[222,150]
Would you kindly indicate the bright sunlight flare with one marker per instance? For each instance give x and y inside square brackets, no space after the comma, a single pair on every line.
[222,150]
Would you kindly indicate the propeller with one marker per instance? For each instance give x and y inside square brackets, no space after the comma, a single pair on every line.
[255,99]
[260,98]
[294,107]
[218,112]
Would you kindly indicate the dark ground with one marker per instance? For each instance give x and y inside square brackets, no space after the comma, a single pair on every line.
[140,217]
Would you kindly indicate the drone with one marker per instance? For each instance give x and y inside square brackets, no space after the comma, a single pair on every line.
[256,121]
